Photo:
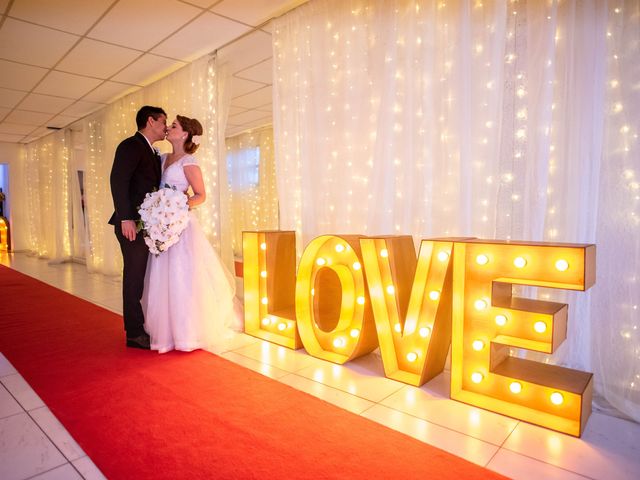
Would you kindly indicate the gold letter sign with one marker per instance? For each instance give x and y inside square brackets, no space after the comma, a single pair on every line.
[411,305]
[269,271]
[488,320]
[353,294]
[332,305]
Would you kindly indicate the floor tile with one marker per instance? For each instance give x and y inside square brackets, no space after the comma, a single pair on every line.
[5,366]
[88,469]
[254,365]
[26,451]
[463,446]
[609,447]
[357,378]
[238,341]
[481,424]
[343,400]
[22,391]
[8,404]
[64,472]
[278,356]
[519,467]
[106,297]
[111,306]
[52,427]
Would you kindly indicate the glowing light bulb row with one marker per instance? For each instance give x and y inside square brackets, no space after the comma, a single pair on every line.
[270,322]
[433,294]
[341,341]
[516,387]
[561,265]
[501,319]
[424,332]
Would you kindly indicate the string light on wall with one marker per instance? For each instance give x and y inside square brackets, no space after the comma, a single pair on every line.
[252,179]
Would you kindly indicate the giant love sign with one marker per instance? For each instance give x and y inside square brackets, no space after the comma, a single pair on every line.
[353,294]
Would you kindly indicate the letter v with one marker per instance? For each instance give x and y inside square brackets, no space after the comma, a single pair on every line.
[411,303]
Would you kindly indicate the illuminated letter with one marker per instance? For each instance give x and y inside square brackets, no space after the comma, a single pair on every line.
[488,321]
[269,286]
[411,304]
[332,305]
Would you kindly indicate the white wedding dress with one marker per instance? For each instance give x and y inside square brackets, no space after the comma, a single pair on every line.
[189,295]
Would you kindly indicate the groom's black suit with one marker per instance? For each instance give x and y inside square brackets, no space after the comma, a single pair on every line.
[135,172]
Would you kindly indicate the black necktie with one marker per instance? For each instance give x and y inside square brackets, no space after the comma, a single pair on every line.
[156,155]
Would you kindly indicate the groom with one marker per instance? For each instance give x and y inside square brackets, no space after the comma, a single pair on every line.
[135,172]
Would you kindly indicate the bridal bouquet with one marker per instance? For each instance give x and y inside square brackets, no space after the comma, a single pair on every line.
[164,214]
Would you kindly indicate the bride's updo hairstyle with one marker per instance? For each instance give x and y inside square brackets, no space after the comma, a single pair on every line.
[192,127]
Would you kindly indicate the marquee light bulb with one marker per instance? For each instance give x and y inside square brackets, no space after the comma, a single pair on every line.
[391,290]
[556,398]
[515,387]
[384,253]
[263,246]
[360,300]
[398,328]
[482,259]
[355,333]
[562,265]
[540,327]
[443,256]
[263,274]
[424,332]
[266,321]
[264,300]
[412,356]
[339,248]
[356,266]
[477,345]
[477,377]
[434,295]
[501,320]
[519,262]
[480,304]
[339,342]
[282,326]
[321,261]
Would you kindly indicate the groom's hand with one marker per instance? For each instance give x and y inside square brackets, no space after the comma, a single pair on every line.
[129,229]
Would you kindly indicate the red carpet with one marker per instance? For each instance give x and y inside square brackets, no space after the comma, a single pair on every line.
[140,415]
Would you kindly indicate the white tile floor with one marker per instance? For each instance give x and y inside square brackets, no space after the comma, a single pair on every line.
[33,444]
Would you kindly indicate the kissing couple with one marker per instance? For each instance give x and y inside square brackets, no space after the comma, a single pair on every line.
[183,298]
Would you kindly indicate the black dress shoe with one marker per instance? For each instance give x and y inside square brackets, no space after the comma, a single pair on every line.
[141,341]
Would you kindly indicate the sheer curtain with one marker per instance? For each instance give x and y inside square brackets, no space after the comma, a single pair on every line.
[252,180]
[507,119]
[48,197]
[197,90]
[615,304]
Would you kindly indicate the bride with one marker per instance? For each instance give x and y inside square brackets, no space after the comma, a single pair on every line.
[189,295]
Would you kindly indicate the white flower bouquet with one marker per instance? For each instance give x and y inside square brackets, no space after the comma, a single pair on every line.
[164,214]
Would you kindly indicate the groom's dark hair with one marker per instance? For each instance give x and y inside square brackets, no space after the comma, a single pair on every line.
[145,112]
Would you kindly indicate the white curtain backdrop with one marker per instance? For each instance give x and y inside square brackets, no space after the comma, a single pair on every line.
[196,91]
[48,197]
[252,180]
[507,119]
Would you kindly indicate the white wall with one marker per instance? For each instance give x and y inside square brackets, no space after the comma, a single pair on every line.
[13,154]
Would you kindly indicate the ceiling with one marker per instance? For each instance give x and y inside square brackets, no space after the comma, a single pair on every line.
[61,60]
